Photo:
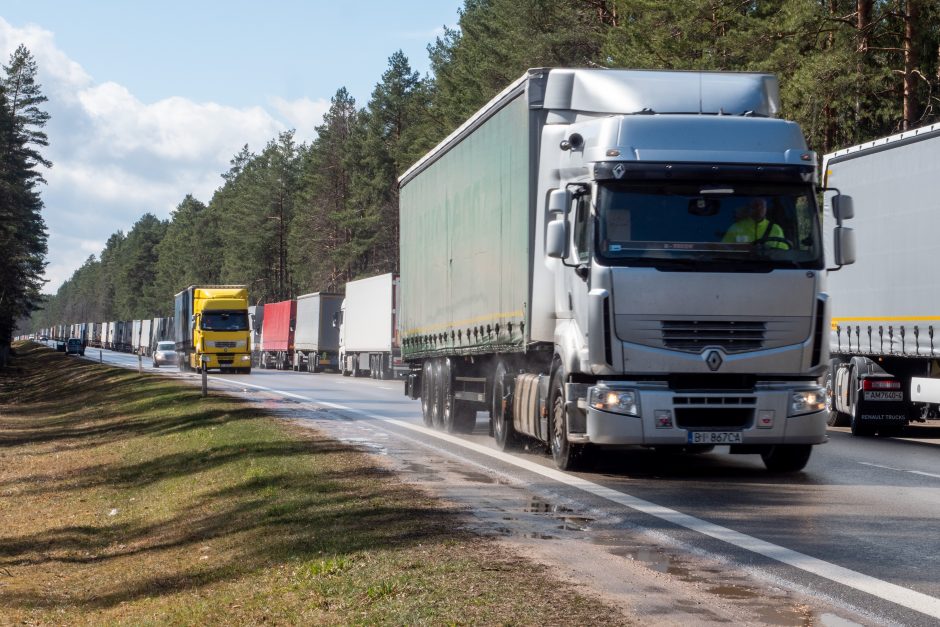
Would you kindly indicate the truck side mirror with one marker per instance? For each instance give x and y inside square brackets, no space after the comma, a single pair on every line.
[559,201]
[556,239]
[843,248]
[842,208]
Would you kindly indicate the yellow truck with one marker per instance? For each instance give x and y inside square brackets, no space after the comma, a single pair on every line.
[212,328]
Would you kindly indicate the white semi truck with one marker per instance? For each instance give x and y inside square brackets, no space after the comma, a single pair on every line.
[615,257]
[316,339]
[368,328]
[885,334]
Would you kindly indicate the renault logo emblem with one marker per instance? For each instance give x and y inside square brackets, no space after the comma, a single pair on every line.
[713,359]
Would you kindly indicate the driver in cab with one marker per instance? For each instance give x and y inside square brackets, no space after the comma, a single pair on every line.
[752,226]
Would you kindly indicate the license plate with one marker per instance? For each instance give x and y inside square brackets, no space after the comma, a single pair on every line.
[872,395]
[715,437]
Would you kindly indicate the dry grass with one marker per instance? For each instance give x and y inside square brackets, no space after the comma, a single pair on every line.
[127,498]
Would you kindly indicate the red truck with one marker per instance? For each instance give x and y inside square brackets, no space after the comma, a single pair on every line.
[277,335]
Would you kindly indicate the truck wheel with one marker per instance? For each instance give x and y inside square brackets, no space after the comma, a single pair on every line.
[787,457]
[501,412]
[567,456]
[437,394]
[426,377]
[447,396]
[835,418]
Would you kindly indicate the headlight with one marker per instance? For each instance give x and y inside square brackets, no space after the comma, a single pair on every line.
[807,401]
[619,401]
[246,357]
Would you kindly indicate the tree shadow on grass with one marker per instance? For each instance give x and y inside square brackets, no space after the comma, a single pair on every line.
[281,500]
[304,516]
[76,401]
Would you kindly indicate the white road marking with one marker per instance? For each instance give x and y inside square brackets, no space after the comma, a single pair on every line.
[887,591]
[911,472]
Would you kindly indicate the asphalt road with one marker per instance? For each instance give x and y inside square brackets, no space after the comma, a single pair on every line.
[857,528]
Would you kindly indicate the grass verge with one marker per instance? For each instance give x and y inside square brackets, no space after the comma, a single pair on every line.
[128,498]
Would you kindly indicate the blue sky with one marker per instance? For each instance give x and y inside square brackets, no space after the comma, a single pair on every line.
[151,100]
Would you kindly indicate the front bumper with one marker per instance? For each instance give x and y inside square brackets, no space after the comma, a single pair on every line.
[224,361]
[666,417]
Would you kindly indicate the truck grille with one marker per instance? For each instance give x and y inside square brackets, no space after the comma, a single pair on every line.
[226,344]
[731,335]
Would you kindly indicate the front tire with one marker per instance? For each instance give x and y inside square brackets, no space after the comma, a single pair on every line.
[787,457]
[567,456]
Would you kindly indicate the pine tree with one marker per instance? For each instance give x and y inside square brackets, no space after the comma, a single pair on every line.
[22,229]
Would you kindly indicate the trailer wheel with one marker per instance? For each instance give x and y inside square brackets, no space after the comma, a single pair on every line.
[426,376]
[501,411]
[567,456]
[447,396]
[787,457]
[437,394]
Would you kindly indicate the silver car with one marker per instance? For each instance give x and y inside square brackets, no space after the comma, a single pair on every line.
[165,354]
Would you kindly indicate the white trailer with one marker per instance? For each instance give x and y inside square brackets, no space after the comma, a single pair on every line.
[885,334]
[142,331]
[316,338]
[368,328]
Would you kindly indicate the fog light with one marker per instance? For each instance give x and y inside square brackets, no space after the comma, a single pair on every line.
[663,419]
[765,419]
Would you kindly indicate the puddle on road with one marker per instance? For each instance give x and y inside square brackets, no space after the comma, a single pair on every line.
[476,477]
[539,506]
[365,444]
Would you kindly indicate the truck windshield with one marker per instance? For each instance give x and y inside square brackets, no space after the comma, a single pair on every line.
[708,226]
[224,321]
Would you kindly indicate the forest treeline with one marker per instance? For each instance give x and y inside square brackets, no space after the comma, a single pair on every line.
[296,218]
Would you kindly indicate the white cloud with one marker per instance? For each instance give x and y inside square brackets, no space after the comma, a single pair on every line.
[116,158]
[173,128]
[304,115]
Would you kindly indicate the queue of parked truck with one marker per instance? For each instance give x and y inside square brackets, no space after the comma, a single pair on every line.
[214,328]
[600,258]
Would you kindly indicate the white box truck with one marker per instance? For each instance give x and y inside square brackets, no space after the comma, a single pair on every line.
[368,328]
[316,338]
[885,334]
[141,336]
[616,257]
